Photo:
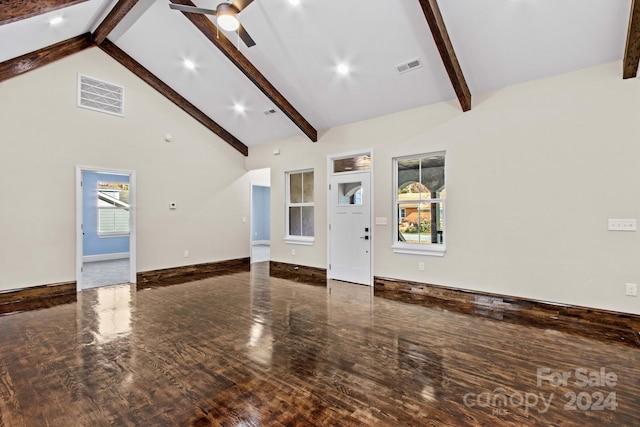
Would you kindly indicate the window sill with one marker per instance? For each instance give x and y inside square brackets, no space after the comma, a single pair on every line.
[111,235]
[297,240]
[429,250]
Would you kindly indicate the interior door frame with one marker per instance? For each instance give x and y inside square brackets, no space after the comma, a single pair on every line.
[330,159]
[80,219]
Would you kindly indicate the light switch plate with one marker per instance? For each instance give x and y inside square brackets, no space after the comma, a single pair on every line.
[381,220]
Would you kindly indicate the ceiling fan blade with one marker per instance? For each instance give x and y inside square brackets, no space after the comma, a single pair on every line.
[241,4]
[246,38]
[191,9]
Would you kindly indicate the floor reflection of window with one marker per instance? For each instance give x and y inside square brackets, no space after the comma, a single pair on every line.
[260,343]
[423,365]
[113,313]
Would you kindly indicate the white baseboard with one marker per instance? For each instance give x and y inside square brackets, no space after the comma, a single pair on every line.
[105,257]
[261,242]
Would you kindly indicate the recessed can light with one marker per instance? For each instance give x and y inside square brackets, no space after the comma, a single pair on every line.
[239,108]
[343,69]
[189,64]
[55,21]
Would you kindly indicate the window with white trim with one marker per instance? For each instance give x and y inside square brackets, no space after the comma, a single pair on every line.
[300,207]
[419,204]
[113,209]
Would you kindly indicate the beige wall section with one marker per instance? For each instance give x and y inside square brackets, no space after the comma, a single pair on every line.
[45,135]
[533,173]
[261,177]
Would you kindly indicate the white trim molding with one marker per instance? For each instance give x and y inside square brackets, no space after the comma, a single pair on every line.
[105,257]
[299,240]
[430,250]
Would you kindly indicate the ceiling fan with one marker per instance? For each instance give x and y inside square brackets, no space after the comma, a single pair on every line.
[226,16]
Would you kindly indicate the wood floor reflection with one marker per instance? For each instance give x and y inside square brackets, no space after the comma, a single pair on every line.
[245,349]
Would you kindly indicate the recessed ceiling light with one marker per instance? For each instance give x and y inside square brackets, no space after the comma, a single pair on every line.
[343,69]
[239,108]
[189,64]
[294,2]
[56,21]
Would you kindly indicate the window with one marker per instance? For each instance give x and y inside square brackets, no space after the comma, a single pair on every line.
[113,209]
[419,201]
[300,207]
[355,163]
[350,193]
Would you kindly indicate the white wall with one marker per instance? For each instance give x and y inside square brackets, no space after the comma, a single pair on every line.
[44,136]
[533,173]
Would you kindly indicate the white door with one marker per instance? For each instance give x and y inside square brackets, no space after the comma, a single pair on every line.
[350,227]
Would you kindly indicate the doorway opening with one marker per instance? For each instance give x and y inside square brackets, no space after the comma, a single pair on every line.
[105,227]
[260,215]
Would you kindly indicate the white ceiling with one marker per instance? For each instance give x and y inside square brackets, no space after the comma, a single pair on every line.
[498,43]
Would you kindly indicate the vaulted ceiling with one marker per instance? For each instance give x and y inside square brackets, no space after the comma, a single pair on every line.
[288,84]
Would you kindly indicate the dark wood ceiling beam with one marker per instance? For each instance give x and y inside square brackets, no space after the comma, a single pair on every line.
[31,61]
[447,53]
[12,11]
[136,68]
[632,48]
[114,17]
[209,30]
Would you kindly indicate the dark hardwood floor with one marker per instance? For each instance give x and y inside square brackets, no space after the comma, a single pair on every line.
[244,349]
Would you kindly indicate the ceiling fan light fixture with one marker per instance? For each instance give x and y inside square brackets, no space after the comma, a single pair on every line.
[227,17]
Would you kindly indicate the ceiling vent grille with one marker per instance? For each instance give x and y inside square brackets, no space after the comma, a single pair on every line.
[270,112]
[101,96]
[408,66]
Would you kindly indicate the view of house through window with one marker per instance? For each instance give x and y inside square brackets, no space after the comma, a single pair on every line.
[350,193]
[420,200]
[300,204]
[113,208]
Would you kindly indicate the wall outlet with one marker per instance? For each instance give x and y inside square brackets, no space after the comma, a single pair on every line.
[421,266]
[186,254]
[631,290]
[293,252]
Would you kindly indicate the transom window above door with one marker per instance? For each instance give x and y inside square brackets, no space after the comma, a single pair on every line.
[361,162]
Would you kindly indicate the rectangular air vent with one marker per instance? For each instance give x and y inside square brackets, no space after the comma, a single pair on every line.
[101,96]
[270,112]
[408,66]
